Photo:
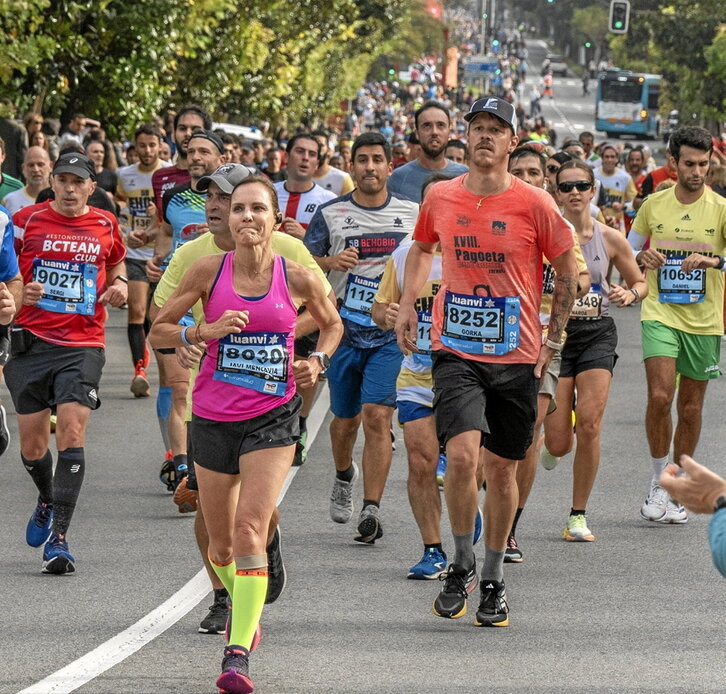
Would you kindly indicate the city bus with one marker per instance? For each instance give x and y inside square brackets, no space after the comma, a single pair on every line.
[627,102]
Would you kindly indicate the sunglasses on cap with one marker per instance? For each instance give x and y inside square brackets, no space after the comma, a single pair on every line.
[552,168]
[567,186]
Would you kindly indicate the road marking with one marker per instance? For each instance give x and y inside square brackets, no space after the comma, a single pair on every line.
[118,648]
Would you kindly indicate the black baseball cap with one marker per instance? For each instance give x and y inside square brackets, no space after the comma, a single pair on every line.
[227,177]
[211,136]
[73,163]
[497,107]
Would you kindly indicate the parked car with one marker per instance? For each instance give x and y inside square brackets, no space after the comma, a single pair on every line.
[558,65]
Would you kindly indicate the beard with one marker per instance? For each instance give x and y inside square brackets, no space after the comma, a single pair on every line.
[431,151]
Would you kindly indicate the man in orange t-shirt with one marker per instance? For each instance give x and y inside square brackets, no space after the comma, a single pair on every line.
[488,355]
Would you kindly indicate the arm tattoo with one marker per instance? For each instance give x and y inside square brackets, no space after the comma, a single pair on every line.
[562,300]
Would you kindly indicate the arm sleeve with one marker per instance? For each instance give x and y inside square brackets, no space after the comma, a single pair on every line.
[717,539]
[317,236]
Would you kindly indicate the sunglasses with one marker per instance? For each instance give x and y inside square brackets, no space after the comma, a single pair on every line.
[567,186]
[552,169]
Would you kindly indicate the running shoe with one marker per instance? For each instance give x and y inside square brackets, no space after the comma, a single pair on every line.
[432,565]
[4,433]
[478,525]
[546,459]
[185,498]
[56,557]
[577,530]
[393,439]
[147,356]
[341,499]
[459,583]
[441,470]
[493,609]
[654,506]
[216,620]
[675,513]
[39,526]
[276,574]
[301,450]
[235,677]
[513,554]
[140,382]
[369,525]
[167,475]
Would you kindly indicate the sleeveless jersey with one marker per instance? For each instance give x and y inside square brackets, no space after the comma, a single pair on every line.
[595,304]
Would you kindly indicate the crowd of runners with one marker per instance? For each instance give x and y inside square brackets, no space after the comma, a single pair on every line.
[433,259]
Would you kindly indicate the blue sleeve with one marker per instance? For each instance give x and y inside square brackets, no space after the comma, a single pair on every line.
[8,260]
[717,538]
[317,235]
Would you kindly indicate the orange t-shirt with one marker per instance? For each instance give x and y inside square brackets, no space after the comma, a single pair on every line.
[488,303]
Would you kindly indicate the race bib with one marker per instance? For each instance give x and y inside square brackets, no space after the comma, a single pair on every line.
[588,307]
[678,287]
[68,287]
[258,361]
[423,339]
[359,295]
[480,324]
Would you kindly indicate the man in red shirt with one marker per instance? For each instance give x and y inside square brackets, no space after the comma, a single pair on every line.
[71,258]
[488,355]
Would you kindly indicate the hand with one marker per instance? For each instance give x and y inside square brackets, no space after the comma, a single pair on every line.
[32,293]
[543,361]
[116,294]
[611,221]
[153,269]
[229,322]
[406,328]
[137,239]
[293,227]
[650,258]
[698,489]
[391,316]
[696,261]
[620,296]
[617,206]
[7,305]
[188,356]
[306,372]
[152,210]
[344,261]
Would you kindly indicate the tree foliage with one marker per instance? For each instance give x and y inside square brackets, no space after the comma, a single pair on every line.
[275,60]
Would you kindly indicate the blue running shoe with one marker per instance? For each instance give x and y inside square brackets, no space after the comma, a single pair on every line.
[38,530]
[431,566]
[56,557]
[441,470]
[478,525]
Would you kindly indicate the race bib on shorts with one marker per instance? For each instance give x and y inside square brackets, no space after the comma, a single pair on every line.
[258,361]
[68,287]
[358,303]
[588,307]
[423,339]
[678,287]
[480,324]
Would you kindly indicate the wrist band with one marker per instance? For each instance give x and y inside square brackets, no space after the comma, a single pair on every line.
[721,261]
[636,294]
[198,335]
[183,336]
[557,346]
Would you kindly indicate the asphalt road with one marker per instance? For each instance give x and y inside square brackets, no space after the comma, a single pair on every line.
[641,609]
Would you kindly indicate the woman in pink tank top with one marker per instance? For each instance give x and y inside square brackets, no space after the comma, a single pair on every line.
[245,407]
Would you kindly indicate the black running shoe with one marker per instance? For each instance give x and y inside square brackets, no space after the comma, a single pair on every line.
[235,677]
[167,475]
[493,609]
[276,574]
[216,621]
[4,432]
[459,583]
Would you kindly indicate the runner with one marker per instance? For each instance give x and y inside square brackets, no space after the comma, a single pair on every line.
[486,339]
[246,416]
[589,356]
[617,186]
[352,238]
[36,170]
[682,317]
[326,176]
[71,259]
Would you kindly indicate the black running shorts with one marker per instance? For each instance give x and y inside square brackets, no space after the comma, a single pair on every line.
[500,400]
[48,375]
[136,270]
[218,445]
[590,345]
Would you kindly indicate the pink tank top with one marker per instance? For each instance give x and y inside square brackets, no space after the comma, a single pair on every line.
[244,375]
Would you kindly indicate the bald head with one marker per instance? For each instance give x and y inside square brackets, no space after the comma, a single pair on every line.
[36,169]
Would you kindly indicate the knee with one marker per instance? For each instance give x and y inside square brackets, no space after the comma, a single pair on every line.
[660,400]
[501,475]
[179,394]
[421,467]
[461,462]
[345,426]
[689,411]
[588,427]
[377,419]
[249,536]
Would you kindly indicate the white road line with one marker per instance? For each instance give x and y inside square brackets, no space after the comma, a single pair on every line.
[116,649]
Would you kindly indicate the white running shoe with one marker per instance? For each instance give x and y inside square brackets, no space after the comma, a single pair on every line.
[654,506]
[341,498]
[549,461]
[675,513]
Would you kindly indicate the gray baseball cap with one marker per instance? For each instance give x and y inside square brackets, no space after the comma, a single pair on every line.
[497,107]
[227,177]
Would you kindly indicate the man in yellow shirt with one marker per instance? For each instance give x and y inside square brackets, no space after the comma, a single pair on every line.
[682,316]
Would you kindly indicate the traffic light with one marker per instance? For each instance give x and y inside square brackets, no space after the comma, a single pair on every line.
[619,16]
[391,71]
[587,44]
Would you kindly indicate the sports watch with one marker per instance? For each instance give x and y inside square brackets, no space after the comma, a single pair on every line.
[720,503]
[324,360]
